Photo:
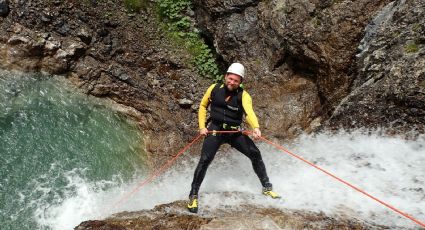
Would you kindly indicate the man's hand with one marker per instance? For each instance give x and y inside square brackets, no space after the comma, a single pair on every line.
[203,131]
[256,133]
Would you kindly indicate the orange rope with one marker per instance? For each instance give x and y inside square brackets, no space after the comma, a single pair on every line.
[170,162]
[155,173]
[345,182]
[165,166]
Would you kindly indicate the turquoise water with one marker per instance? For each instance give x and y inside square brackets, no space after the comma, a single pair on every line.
[52,135]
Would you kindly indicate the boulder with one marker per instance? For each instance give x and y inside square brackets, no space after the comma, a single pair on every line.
[185,103]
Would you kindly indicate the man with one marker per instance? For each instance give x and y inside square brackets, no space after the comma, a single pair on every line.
[228,104]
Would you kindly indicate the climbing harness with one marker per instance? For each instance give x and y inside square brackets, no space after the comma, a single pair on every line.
[158,172]
[230,127]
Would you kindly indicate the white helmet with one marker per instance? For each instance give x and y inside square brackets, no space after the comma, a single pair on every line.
[237,68]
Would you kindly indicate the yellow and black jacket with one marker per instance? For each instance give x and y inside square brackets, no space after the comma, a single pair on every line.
[229,111]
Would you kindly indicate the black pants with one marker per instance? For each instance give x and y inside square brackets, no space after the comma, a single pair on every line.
[239,141]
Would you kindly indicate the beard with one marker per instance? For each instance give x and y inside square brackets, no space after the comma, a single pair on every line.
[230,87]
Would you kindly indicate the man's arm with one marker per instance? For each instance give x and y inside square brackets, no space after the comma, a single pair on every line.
[251,118]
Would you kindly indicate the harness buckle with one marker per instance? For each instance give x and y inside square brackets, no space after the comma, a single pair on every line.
[230,127]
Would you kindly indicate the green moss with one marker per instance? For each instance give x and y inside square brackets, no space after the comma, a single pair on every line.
[411,48]
[181,30]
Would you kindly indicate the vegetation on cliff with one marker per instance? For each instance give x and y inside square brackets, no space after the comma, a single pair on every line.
[182,29]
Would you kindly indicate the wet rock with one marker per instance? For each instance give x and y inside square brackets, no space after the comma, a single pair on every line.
[185,103]
[97,225]
[175,216]
[70,49]
[389,88]
[28,44]
[242,223]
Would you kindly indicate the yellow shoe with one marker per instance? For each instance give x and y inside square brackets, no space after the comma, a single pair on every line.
[270,193]
[192,206]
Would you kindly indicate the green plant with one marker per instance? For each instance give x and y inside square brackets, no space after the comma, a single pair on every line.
[411,48]
[180,29]
[205,63]
[172,9]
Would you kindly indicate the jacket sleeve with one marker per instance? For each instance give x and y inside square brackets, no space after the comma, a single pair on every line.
[251,118]
[202,113]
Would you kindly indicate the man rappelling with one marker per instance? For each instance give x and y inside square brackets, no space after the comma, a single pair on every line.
[229,102]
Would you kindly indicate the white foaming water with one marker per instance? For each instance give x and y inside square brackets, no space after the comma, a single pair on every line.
[389,168]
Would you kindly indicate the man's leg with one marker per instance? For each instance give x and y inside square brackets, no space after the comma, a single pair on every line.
[209,149]
[245,145]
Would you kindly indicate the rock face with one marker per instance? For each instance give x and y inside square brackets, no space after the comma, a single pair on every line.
[301,55]
[40,51]
[110,53]
[173,216]
[304,57]
[389,89]
[310,64]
